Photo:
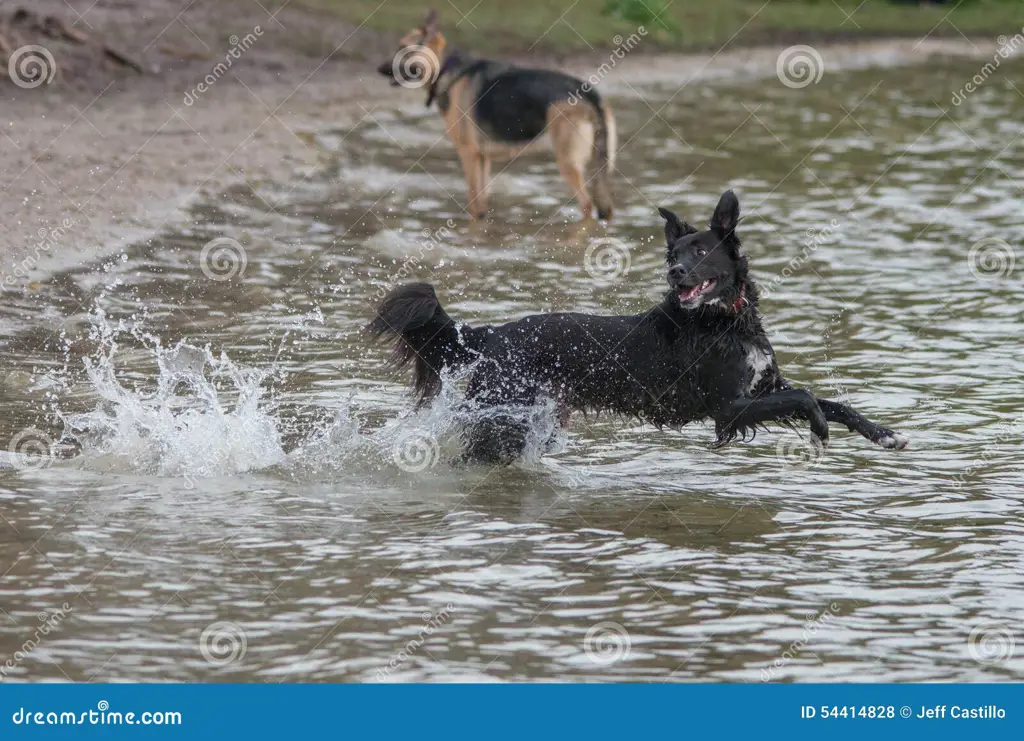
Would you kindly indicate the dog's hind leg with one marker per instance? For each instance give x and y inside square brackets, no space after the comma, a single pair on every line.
[497,440]
[572,137]
[483,182]
[470,160]
[746,413]
[856,422]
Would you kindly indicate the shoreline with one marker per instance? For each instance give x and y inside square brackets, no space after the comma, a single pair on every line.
[124,165]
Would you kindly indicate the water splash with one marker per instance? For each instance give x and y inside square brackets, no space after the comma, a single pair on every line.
[205,416]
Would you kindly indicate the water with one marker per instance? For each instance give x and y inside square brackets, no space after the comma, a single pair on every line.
[232,487]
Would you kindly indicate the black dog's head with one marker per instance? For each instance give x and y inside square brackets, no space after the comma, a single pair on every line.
[706,268]
[417,61]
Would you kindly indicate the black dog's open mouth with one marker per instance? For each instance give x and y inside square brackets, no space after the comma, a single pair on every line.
[687,294]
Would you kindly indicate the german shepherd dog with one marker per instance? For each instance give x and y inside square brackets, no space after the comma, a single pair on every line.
[699,354]
[495,111]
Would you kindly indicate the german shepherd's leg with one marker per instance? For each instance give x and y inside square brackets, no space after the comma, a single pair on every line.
[745,413]
[572,136]
[483,181]
[855,422]
[471,169]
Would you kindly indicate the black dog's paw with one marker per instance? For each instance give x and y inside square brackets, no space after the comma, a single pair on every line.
[890,440]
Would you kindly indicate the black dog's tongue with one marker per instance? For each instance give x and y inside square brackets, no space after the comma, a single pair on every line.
[688,293]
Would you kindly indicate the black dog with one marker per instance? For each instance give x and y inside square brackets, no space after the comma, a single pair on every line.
[700,354]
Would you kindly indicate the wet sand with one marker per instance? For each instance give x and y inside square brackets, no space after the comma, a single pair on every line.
[84,174]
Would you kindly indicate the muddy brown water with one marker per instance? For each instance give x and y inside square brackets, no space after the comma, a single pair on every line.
[261,504]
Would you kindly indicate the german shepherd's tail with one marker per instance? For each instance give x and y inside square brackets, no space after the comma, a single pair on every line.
[603,160]
[423,335]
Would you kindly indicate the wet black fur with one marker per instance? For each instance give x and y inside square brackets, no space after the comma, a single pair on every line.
[670,365]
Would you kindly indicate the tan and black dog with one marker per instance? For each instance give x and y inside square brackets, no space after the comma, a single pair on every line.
[496,111]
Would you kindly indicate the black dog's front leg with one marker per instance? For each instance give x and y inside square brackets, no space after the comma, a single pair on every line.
[856,422]
[746,413]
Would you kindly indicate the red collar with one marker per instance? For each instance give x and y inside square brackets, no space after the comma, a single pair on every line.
[741,300]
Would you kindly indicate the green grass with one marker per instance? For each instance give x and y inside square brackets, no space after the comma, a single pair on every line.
[559,27]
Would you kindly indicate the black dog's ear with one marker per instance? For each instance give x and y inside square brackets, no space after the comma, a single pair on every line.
[674,226]
[727,214]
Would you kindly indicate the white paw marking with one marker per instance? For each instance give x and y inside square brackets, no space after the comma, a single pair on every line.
[893,441]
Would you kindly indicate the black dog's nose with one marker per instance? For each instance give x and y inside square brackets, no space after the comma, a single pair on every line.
[677,272]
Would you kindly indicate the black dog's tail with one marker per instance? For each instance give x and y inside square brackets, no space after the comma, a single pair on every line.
[603,159]
[423,333]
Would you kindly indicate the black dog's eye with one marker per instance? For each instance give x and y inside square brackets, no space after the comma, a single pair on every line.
[702,253]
